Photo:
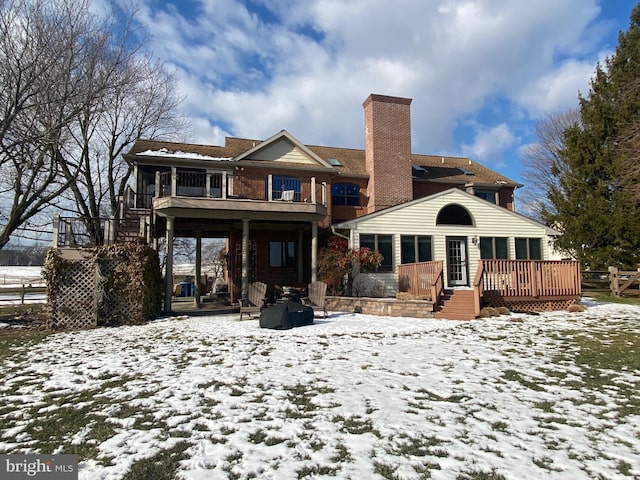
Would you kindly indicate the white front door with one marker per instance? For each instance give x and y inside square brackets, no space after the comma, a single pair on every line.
[457,275]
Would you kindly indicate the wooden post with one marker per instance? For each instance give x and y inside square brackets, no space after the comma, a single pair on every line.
[168,276]
[614,285]
[314,251]
[56,230]
[197,292]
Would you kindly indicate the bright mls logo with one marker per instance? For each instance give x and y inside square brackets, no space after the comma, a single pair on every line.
[49,467]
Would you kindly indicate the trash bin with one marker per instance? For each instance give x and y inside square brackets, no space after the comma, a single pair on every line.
[186,289]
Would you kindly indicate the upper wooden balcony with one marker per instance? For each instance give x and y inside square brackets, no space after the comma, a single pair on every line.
[222,195]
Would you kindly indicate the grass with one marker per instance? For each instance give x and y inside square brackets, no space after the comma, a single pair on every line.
[605,297]
[602,356]
[32,310]
[591,367]
[480,475]
[16,339]
[162,466]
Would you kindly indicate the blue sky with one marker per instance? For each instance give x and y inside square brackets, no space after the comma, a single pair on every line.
[480,72]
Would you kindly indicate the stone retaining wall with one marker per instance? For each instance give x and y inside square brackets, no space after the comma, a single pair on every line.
[381,306]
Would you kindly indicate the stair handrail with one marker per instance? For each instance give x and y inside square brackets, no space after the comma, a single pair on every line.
[478,286]
[437,285]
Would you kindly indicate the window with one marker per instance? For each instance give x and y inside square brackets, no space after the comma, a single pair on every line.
[282,254]
[345,194]
[488,195]
[528,249]
[382,244]
[415,248]
[493,248]
[282,183]
[454,215]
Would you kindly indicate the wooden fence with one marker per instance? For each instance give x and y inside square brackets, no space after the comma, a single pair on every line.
[614,281]
[20,293]
[620,281]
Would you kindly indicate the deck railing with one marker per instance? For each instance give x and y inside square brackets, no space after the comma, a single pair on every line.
[528,278]
[73,232]
[251,187]
[423,279]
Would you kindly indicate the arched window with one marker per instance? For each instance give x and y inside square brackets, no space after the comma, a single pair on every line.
[345,194]
[454,215]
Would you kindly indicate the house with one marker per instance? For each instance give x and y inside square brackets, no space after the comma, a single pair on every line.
[454,226]
[277,200]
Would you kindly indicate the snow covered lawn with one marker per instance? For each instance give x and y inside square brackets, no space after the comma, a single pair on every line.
[352,396]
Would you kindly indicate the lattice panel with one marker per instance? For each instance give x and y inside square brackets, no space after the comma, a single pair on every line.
[73,304]
[534,305]
[87,298]
[113,306]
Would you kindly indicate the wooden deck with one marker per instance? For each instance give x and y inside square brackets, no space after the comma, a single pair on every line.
[523,285]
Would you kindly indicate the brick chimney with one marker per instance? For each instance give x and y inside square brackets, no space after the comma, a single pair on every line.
[388,150]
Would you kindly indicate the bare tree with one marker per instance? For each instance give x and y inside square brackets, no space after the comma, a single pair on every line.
[46,78]
[213,257]
[142,102]
[75,90]
[542,162]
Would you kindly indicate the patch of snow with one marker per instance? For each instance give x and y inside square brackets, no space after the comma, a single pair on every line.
[163,152]
[353,393]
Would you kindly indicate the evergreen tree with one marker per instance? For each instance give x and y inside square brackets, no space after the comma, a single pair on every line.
[599,221]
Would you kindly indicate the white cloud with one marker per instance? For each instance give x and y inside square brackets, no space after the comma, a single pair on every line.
[490,143]
[557,90]
[310,70]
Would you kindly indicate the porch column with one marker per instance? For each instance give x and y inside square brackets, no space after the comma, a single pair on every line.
[56,230]
[224,184]
[313,190]
[300,257]
[314,251]
[174,182]
[245,259]
[168,274]
[196,283]
[134,188]
[158,189]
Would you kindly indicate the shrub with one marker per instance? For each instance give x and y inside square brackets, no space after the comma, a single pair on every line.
[338,265]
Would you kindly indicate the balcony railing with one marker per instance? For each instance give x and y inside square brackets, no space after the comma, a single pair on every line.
[423,279]
[528,278]
[223,185]
[73,232]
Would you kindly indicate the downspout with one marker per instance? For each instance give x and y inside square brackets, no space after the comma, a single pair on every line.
[333,230]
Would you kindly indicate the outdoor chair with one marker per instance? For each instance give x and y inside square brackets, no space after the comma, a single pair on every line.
[316,299]
[255,301]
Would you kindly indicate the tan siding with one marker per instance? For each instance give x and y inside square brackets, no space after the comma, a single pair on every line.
[420,219]
[282,151]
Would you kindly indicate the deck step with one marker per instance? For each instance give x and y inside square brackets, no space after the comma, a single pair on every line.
[457,305]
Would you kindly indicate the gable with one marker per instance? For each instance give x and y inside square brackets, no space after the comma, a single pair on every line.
[420,217]
[285,148]
[284,151]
